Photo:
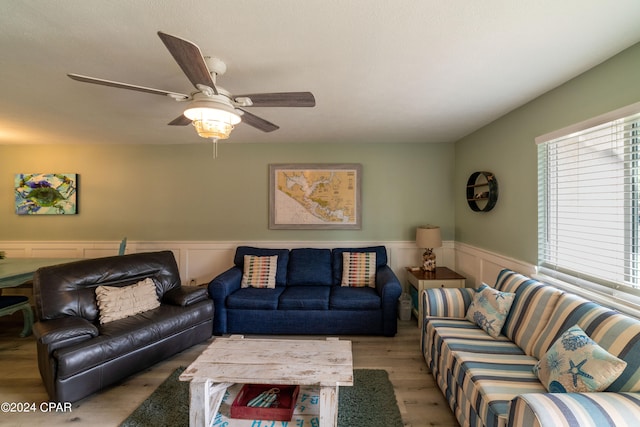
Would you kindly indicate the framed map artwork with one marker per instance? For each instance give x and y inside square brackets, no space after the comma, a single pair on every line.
[315,196]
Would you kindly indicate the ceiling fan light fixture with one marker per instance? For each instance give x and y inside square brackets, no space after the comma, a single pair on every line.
[212,118]
[213,129]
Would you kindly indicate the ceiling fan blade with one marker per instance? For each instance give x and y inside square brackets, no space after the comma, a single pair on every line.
[190,59]
[94,80]
[257,122]
[180,121]
[281,99]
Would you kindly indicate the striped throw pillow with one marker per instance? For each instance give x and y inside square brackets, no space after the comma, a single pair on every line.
[259,271]
[358,269]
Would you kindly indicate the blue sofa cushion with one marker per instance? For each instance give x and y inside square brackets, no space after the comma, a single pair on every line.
[305,298]
[283,260]
[336,254]
[309,266]
[255,298]
[350,298]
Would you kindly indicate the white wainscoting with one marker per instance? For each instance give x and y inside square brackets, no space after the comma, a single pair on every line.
[482,266]
[200,262]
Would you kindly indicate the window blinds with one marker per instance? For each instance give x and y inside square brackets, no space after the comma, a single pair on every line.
[589,203]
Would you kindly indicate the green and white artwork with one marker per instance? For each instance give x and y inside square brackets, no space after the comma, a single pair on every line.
[46,194]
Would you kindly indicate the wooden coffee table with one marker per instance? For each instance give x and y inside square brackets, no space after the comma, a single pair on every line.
[227,361]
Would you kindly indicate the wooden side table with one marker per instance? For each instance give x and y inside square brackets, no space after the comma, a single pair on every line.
[420,280]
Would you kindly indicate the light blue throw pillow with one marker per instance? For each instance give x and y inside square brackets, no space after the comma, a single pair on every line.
[489,309]
[576,363]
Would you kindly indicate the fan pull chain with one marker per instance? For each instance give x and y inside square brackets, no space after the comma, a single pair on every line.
[215,147]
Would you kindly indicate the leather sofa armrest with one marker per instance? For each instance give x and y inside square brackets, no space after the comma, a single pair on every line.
[71,328]
[185,295]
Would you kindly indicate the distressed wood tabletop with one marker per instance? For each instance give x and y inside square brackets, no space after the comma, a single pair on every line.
[274,361]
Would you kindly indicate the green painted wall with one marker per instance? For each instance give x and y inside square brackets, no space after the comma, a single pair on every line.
[506,147]
[179,192]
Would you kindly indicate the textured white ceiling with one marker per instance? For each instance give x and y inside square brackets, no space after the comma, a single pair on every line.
[381,70]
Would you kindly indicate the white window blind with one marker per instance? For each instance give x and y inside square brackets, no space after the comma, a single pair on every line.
[589,204]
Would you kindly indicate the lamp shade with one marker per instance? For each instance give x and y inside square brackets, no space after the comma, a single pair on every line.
[428,236]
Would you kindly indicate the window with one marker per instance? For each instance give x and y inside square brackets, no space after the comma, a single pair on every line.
[589,204]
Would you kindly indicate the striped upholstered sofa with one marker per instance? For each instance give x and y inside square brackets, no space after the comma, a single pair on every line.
[491,381]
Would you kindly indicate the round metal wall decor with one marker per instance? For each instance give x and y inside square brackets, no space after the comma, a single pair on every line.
[482,191]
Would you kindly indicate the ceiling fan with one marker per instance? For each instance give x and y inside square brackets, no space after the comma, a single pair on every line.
[212,110]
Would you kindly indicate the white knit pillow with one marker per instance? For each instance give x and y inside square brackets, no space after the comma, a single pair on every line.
[119,302]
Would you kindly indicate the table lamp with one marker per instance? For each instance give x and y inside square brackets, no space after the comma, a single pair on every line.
[428,237]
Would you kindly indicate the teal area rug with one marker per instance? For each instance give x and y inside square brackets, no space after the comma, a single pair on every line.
[371,402]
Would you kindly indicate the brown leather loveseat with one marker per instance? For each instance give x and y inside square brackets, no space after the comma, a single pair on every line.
[80,353]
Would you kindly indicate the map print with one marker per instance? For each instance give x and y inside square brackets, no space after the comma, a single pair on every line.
[315,196]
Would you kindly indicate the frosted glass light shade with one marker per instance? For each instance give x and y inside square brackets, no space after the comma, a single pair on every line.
[212,118]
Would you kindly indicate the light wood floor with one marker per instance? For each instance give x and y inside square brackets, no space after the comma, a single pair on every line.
[420,401]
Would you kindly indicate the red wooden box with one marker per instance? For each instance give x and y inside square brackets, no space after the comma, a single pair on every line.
[286,403]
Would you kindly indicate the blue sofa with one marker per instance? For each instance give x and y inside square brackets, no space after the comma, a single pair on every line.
[307,298]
